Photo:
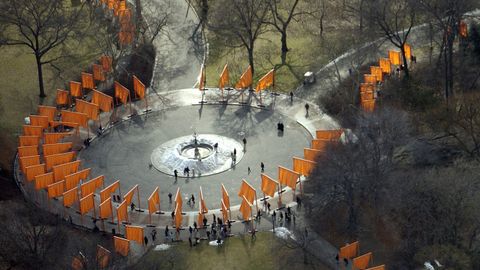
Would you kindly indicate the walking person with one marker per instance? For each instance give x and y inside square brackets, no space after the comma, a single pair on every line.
[193,199]
[291,97]
[244,144]
[170,197]
[145,239]
[306,109]
[154,235]
[249,170]
[175,173]
[262,166]
[132,206]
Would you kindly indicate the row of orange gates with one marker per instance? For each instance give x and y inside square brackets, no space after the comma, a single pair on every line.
[368,87]
[351,251]
[376,75]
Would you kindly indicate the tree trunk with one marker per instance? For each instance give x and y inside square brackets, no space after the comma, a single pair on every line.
[138,20]
[40,77]
[405,64]
[284,45]
[250,59]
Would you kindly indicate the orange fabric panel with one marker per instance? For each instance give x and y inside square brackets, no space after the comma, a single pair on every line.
[57,159]
[224,77]
[25,151]
[90,109]
[178,198]
[43,180]
[32,130]
[103,257]
[463,29]
[106,208]
[62,97]
[50,138]
[246,209]
[321,145]
[124,16]
[122,214]
[225,197]
[111,4]
[87,203]
[106,192]
[368,105]
[34,170]
[361,262]
[303,166]
[56,148]
[408,50]
[311,154]
[60,171]
[365,96]
[178,216]
[28,161]
[377,72]
[39,120]
[154,201]
[380,267]
[92,185]
[77,263]
[72,180]
[106,62]
[98,73]
[288,177]
[119,5]
[269,186]
[395,57]
[121,92]
[349,250]
[202,78]
[75,117]
[28,140]
[369,78]
[246,79]
[224,211]
[75,89]
[332,135]
[203,205]
[247,191]
[70,196]
[138,87]
[266,81]
[385,65]
[121,245]
[87,81]
[129,195]
[56,189]
[200,217]
[48,111]
[365,87]
[126,33]
[134,233]
[104,102]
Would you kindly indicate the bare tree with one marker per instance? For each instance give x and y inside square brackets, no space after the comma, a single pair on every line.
[352,173]
[447,15]
[395,19]
[240,23]
[41,25]
[30,238]
[282,13]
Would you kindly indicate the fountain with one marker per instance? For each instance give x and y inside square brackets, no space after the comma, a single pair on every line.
[206,153]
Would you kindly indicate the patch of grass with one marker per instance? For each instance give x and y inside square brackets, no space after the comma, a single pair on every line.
[264,253]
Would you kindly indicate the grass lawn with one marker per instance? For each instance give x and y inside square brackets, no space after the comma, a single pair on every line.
[266,252]
[19,87]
